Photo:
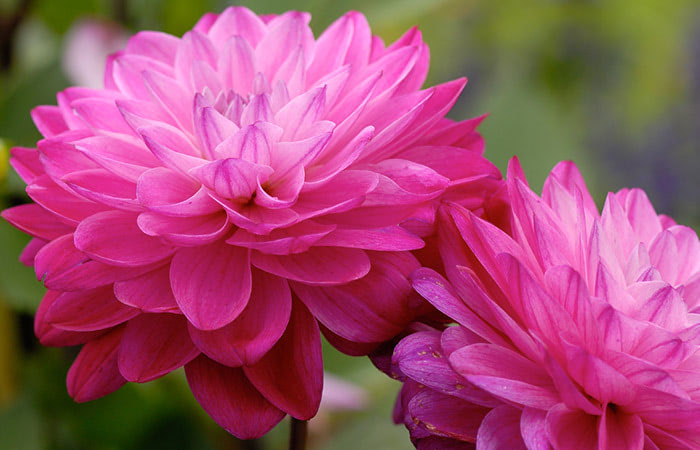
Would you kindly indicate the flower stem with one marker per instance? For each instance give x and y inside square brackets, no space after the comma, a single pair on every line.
[297,435]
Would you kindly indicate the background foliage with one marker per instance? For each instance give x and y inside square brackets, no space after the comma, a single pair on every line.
[613,85]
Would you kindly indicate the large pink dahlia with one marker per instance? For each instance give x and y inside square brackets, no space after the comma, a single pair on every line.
[228,191]
[578,331]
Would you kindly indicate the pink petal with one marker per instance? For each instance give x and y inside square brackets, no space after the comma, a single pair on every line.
[501,429]
[165,191]
[211,284]
[171,147]
[88,310]
[26,163]
[495,361]
[59,200]
[101,114]
[113,237]
[149,292]
[155,45]
[94,372]
[212,128]
[153,345]
[251,335]
[229,398]
[49,120]
[319,266]
[120,157]
[102,186]
[252,143]
[297,389]
[184,231]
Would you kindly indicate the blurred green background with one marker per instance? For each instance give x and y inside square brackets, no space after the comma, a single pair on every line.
[612,84]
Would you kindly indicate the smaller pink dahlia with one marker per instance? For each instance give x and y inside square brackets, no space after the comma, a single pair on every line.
[231,194]
[579,330]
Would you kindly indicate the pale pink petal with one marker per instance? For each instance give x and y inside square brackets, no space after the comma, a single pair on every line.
[230,178]
[211,284]
[153,345]
[297,389]
[230,399]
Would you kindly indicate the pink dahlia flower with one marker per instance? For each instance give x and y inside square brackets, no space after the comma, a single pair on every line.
[578,331]
[228,191]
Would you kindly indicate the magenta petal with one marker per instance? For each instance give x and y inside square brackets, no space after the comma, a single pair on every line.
[230,399]
[102,186]
[94,372]
[533,428]
[184,231]
[319,266]
[353,310]
[149,292]
[572,429]
[421,358]
[113,237]
[153,345]
[211,284]
[383,239]
[618,429]
[297,389]
[452,416]
[63,267]
[55,337]
[35,220]
[59,200]
[89,310]
[251,335]
[168,192]
[501,429]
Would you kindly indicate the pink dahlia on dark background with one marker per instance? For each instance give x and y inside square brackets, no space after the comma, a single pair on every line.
[228,191]
[578,331]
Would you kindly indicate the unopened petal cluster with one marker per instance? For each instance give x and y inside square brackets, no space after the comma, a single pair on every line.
[579,330]
[230,194]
